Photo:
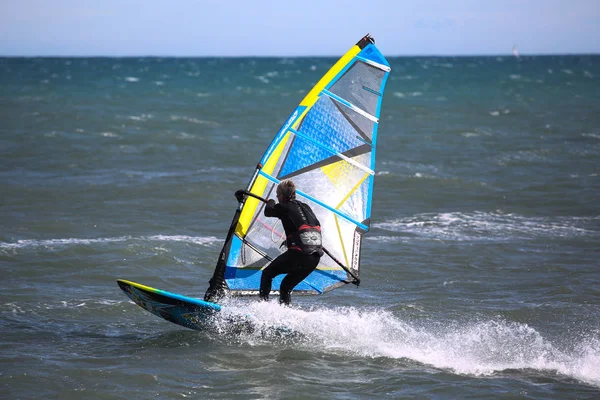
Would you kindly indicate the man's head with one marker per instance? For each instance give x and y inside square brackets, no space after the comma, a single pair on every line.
[286,191]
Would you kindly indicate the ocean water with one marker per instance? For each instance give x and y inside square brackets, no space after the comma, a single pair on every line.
[480,275]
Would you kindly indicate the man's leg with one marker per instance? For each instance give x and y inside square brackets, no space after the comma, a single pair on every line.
[280,265]
[303,266]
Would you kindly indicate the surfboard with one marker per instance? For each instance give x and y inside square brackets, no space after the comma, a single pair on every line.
[198,314]
[181,310]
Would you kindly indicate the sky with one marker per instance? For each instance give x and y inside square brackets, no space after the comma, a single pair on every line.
[296,28]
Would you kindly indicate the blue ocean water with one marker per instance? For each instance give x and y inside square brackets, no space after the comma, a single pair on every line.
[479,276]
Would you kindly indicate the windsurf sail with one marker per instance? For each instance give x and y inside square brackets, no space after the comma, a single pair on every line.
[327,147]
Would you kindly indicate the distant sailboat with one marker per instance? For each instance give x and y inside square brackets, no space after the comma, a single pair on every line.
[515,51]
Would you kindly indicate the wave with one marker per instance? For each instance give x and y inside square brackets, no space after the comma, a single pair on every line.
[479,348]
[68,242]
[491,226]
[192,120]
[141,117]
[122,176]
[88,304]
[592,135]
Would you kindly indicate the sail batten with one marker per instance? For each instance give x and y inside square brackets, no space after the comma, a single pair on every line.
[327,146]
[351,106]
[375,64]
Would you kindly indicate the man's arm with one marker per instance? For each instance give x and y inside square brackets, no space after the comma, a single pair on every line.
[271,209]
[240,194]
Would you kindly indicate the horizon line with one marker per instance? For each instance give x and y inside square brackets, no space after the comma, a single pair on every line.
[541,54]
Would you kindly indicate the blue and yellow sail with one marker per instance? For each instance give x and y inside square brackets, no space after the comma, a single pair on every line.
[327,146]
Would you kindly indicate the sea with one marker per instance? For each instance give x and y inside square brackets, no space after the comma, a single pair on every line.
[480,276]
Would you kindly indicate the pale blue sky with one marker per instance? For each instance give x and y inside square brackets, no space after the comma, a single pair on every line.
[293,28]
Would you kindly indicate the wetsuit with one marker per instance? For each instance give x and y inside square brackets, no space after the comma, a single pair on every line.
[303,231]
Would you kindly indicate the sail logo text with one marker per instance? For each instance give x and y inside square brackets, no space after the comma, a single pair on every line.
[356,252]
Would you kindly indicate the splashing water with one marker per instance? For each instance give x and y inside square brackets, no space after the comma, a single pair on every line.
[479,348]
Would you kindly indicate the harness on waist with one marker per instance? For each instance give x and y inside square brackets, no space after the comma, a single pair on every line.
[307,238]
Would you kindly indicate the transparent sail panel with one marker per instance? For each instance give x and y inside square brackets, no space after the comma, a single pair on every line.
[361,86]
[363,125]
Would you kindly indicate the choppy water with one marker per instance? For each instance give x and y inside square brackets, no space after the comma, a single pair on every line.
[480,275]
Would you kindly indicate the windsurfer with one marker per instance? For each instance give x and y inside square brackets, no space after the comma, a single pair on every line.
[303,232]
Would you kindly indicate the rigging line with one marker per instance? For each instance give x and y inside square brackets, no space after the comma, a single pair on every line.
[332,151]
[270,228]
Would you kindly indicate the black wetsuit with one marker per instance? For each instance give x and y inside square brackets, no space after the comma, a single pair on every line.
[303,231]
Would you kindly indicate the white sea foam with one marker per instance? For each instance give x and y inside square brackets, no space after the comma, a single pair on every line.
[263,79]
[477,348]
[69,242]
[59,242]
[192,120]
[496,113]
[141,117]
[286,61]
[490,226]
[132,79]
[523,155]
[18,309]
[203,240]
[385,239]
